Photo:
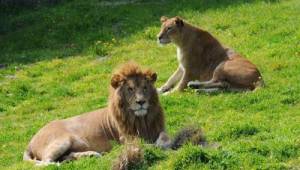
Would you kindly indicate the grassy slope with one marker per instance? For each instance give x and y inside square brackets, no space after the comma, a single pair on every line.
[62,58]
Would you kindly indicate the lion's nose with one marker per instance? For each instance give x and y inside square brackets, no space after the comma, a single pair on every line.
[141,102]
[160,37]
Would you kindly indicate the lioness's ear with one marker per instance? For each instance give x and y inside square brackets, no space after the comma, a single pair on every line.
[178,21]
[152,76]
[116,80]
[163,19]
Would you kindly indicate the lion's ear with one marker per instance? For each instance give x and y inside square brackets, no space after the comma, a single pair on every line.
[163,19]
[116,80]
[178,21]
[152,76]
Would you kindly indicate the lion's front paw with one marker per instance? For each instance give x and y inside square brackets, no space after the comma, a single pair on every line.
[163,141]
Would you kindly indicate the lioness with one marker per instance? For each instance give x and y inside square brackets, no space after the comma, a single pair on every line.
[201,57]
[133,110]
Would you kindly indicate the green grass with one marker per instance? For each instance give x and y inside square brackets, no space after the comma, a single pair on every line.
[59,60]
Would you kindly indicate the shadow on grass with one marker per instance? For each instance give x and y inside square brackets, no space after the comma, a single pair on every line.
[218,92]
[86,27]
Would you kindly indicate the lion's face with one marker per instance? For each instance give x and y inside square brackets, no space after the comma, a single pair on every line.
[170,29]
[136,92]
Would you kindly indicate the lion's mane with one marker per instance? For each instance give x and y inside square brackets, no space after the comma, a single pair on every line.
[148,126]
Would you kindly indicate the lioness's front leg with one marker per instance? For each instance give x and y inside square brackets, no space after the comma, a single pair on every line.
[183,82]
[171,81]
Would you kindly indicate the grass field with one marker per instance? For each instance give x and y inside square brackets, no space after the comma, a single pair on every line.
[56,62]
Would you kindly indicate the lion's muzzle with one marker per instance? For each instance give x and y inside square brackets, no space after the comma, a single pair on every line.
[140,107]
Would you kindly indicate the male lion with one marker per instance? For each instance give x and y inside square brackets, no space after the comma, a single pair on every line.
[201,57]
[133,110]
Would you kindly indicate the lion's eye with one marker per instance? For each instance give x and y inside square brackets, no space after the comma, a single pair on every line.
[130,89]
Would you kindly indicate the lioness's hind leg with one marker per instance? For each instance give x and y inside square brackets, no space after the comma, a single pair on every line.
[208,84]
[197,84]
[219,84]
[77,155]
[213,90]
[209,90]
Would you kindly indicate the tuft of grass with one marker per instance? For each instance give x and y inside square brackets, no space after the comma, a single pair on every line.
[189,156]
[153,155]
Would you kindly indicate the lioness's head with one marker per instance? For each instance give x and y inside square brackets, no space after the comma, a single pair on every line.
[135,88]
[170,29]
